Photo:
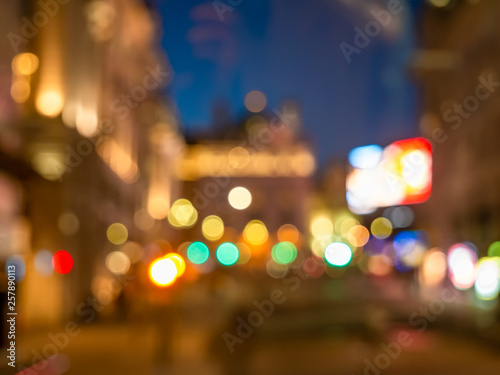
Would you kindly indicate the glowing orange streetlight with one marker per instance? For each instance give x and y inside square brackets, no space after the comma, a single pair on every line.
[164,271]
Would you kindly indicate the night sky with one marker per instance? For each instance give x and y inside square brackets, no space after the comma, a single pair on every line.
[290,49]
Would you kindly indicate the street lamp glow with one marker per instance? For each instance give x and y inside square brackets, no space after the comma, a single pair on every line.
[338,254]
[179,262]
[239,198]
[163,272]
[255,233]
[212,228]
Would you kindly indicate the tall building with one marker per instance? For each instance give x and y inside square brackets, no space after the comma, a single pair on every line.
[88,121]
[459,74]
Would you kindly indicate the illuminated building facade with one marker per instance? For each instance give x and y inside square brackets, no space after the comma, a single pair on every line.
[258,173]
[459,74]
[87,117]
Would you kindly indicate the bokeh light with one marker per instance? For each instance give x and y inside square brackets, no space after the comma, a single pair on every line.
[50,103]
[25,63]
[288,232]
[365,157]
[400,217]
[117,233]
[358,235]
[117,262]
[343,225]
[433,270]
[132,250]
[43,262]
[284,252]
[494,249]
[255,233]
[487,284]
[158,206]
[68,223]
[381,227]
[276,270]
[163,272]
[182,214]
[321,225]
[462,266]
[239,198]
[62,262]
[255,101]
[197,253]
[179,262]
[409,248]
[379,265]
[212,228]
[338,254]
[227,253]
[20,89]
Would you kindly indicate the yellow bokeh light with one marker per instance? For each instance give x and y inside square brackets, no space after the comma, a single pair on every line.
[49,164]
[321,226]
[158,207]
[25,63]
[182,214]
[117,233]
[381,228]
[163,272]
[239,198]
[255,233]
[179,262]
[20,90]
[212,228]
[50,103]
[118,262]
[346,225]
[358,235]
[439,3]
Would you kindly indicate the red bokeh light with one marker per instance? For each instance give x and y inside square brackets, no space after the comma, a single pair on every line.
[62,262]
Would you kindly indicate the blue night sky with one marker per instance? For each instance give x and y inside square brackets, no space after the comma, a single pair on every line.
[290,49]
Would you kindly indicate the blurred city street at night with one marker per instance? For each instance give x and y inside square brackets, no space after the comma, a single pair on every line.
[222,187]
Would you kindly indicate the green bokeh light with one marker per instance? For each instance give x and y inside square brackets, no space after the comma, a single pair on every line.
[227,253]
[284,252]
[198,253]
[494,249]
